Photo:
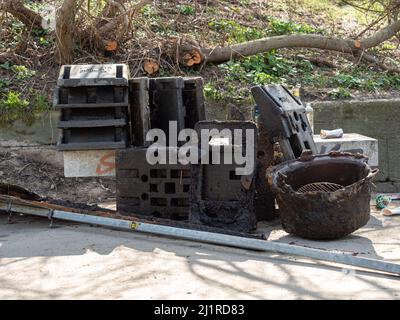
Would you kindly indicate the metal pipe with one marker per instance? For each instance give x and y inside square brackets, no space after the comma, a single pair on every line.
[228,240]
[219,239]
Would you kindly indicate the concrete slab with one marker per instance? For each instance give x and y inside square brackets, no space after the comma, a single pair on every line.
[350,142]
[93,74]
[89,163]
[72,261]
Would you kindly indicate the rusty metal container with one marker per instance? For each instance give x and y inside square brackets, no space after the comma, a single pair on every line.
[323,196]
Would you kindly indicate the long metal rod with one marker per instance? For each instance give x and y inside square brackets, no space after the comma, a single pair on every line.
[214,238]
[232,241]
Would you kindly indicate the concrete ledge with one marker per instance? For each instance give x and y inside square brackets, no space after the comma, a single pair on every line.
[379,119]
[43,131]
[350,142]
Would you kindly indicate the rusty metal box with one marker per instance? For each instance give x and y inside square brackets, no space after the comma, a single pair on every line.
[219,197]
[160,190]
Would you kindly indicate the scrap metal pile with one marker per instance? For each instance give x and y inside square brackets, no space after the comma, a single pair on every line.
[103,108]
[319,196]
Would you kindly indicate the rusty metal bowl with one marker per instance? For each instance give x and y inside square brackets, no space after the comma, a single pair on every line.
[323,196]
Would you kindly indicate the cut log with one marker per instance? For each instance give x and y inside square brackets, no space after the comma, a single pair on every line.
[111,46]
[150,66]
[192,57]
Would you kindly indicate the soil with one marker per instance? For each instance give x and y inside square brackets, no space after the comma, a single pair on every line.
[40,170]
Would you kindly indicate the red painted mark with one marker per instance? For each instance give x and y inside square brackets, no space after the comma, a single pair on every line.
[106,163]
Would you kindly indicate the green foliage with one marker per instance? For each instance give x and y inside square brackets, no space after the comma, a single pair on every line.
[186,10]
[148,12]
[25,106]
[259,69]
[40,103]
[14,107]
[18,74]
[11,106]
[339,93]
[363,79]
[35,5]
[40,32]
[43,41]
[211,92]
[266,68]
[4,84]
[42,36]
[262,69]
[6,66]
[22,72]
[238,33]
[279,27]
[17,29]
[244,2]
[12,100]
[154,21]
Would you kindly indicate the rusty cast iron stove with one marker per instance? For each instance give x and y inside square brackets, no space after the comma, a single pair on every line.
[323,196]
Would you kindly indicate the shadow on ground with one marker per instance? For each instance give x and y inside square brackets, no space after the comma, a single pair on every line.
[31,237]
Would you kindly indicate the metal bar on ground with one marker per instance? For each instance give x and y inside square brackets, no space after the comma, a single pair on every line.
[210,237]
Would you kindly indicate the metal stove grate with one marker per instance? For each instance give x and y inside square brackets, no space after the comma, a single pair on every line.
[320,187]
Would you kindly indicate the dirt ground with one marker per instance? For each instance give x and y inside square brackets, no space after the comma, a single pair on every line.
[40,170]
[74,261]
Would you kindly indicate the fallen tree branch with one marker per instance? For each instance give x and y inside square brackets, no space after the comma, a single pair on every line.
[29,18]
[222,54]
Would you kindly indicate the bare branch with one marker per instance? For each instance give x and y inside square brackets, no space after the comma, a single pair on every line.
[117,20]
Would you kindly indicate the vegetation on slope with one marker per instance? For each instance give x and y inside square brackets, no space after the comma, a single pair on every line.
[28,67]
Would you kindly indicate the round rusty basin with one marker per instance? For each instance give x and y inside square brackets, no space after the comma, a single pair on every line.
[323,196]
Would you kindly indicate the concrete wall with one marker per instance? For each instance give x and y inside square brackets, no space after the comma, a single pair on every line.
[42,131]
[379,119]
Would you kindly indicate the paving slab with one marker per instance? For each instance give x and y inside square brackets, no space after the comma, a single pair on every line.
[73,261]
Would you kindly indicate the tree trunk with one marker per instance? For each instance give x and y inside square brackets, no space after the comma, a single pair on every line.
[120,18]
[65,32]
[28,17]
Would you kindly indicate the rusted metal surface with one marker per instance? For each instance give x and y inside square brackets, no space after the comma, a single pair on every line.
[264,198]
[17,191]
[285,120]
[139,110]
[318,214]
[160,190]
[13,204]
[218,196]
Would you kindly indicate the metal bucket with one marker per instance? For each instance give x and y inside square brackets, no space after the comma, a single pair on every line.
[323,196]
